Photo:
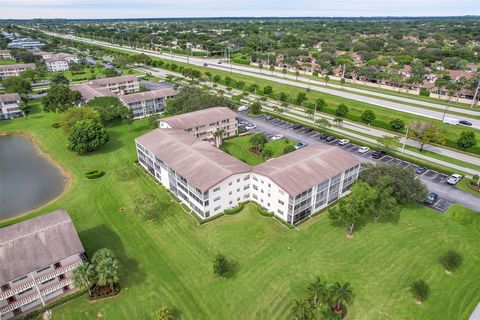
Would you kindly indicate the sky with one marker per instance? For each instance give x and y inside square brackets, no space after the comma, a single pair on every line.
[28,9]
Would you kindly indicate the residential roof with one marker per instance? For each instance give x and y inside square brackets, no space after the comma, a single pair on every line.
[201,117]
[297,171]
[17,66]
[90,92]
[55,59]
[196,160]
[148,95]
[9,97]
[35,243]
[111,80]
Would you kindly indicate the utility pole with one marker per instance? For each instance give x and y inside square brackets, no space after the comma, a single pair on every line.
[406,137]
[444,112]
[475,95]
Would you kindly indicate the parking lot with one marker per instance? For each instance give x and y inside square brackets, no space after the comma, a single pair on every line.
[275,126]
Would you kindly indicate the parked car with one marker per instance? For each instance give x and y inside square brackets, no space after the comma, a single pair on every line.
[205,64]
[219,62]
[363,150]
[308,130]
[330,138]
[242,123]
[465,122]
[431,199]
[453,179]
[343,142]
[324,136]
[299,145]
[421,170]
[378,154]
[250,127]
[296,126]
[276,137]
[268,118]
[242,108]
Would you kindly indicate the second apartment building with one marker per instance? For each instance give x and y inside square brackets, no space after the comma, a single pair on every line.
[13,70]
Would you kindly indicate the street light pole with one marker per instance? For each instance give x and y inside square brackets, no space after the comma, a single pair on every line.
[475,95]
[406,137]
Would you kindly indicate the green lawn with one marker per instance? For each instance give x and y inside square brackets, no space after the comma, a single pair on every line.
[169,261]
[239,147]
[7,61]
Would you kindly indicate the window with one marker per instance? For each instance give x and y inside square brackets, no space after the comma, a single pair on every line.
[246,187]
[255,187]
[238,189]
[230,183]
[217,208]
[255,196]
[230,193]
[216,199]
[43,269]
[216,189]
[255,178]
[246,177]
[5,287]
[238,180]
[281,202]
[280,211]
[19,279]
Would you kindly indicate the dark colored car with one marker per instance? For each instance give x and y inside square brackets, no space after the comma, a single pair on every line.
[465,122]
[421,170]
[205,64]
[268,118]
[330,138]
[378,154]
[324,136]
[308,130]
[431,198]
[296,126]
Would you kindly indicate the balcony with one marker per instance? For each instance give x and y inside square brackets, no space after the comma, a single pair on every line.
[19,303]
[56,286]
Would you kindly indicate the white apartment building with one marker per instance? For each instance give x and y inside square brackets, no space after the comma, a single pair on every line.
[147,103]
[9,106]
[13,70]
[56,64]
[37,259]
[204,123]
[5,54]
[118,85]
[209,181]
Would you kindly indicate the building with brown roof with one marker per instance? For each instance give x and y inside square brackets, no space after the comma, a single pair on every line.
[209,181]
[37,259]
[144,104]
[5,54]
[13,70]
[9,106]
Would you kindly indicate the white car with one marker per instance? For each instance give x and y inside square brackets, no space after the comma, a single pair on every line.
[343,142]
[242,108]
[454,178]
[363,150]
[250,127]
[243,123]
[276,137]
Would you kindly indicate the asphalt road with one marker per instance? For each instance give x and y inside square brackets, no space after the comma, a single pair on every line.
[435,181]
[374,99]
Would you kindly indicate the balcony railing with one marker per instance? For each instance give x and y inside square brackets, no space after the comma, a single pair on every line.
[19,303]
[39,280]
[55,286]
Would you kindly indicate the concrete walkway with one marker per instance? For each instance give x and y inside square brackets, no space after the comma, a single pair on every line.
[475,314]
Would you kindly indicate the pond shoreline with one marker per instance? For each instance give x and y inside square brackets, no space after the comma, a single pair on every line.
[46,155]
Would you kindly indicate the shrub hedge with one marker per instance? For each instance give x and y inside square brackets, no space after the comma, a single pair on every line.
[38,312]
[264,212]
[95,174]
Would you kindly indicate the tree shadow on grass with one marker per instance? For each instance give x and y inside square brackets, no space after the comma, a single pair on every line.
[102,236]
[114,143]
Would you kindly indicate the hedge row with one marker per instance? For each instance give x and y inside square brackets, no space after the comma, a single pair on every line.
[285,223]
[241,61]
[37,313]
[264,212]
[94,174]
[235,210]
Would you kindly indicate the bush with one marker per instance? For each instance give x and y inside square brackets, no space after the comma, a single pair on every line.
[341,110]
[424,92]
[94,174]
[288,149]
[420,290]
[235,210]
[451,260]
[56,125]
[264,212]
[210,218]
[397,124]
[285,223]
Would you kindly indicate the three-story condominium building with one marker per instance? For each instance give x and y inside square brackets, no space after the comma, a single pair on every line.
[56,64]
[204,123]
[9,106]
[37,259]
[209,181]
[13,70]
[5,54]
[118,85]
[144,104]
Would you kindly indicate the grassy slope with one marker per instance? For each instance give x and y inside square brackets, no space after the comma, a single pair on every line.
[168,262]
[239,147]
[7,61]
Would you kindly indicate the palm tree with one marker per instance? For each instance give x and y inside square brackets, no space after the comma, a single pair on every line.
[301,310]
[317,292]
[341,294]
[106,267]
[83,277]
[326,313]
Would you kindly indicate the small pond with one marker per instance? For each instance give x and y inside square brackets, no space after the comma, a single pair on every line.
[27,178]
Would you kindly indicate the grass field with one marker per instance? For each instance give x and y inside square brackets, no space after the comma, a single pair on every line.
[7,61]
[169,261]
[239,147]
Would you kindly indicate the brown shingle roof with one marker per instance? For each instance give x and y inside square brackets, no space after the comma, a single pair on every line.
[112,80]
[297,171]
[201,117]
[90,92]
[196,160]
[9,97]
[148,95]
[35,243]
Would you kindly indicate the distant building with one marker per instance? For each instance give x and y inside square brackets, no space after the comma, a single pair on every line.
[57,61]
[5,54]
[9,106]
[13,70]
[56,64]
[25,43]
[143,104]
[147,103]
[37,259]
[204,123]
